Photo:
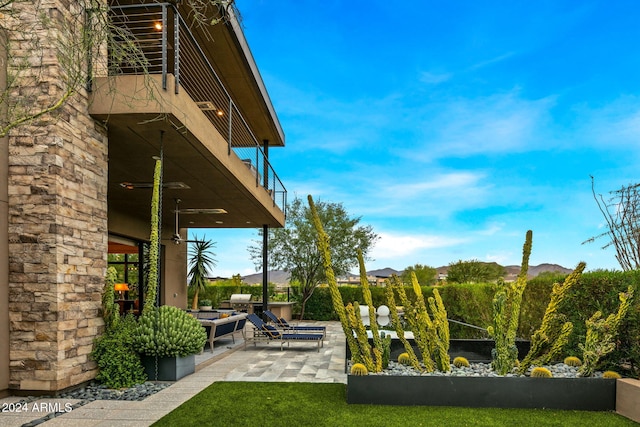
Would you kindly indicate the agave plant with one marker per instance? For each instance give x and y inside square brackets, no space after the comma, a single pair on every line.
[201,260]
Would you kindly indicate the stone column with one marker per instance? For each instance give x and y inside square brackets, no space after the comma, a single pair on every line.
[57,224]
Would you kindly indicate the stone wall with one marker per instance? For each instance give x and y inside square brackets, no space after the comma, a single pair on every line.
[57,226]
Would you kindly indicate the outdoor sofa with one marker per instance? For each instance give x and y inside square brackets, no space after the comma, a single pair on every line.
[223,327]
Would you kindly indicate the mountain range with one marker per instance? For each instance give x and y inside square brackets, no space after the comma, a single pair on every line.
[282,277]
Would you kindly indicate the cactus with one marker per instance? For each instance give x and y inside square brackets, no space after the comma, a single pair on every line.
[540,372]
[611,375]
[601,334]
[364,349]
[506,314]
[386,349]
[404,359]
[548,341]
[336,298]
[411,358]
[441,324]
[359,369]
[168,331]
[378,348]
[460,362]
[110,310]
[154,245]
[572,361]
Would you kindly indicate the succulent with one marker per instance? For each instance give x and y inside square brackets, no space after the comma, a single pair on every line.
[359,369]
[168,331]
[404,359]
[611,375]
[540,372]
[460,361]
[572,361]
[205,302]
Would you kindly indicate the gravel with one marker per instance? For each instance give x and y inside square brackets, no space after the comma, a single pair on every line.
[95,391]
[558,370]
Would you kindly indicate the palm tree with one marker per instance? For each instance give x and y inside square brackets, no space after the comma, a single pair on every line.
[201,260]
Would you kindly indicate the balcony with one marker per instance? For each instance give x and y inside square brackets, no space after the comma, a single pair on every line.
[194,91]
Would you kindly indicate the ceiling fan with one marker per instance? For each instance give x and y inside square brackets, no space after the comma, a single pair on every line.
[177,238]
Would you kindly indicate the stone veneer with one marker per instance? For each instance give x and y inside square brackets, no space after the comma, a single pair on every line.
[57,215]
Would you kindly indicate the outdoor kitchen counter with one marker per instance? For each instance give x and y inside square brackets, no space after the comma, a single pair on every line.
[279,308]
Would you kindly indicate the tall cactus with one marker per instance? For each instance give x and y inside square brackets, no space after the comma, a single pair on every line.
[548,341]
[441,325]
[397,324]
[506,315]
[154,245]
[601,334]
[368,300]
[336,298]
[364,349]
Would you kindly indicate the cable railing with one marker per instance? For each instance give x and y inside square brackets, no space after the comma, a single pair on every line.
[161,49]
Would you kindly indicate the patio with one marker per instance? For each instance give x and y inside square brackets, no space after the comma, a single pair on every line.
[228,362]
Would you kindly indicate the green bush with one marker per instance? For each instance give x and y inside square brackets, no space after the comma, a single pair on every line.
[168,331]
[119,363]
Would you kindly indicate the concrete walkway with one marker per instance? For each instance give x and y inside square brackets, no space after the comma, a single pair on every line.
[301,362]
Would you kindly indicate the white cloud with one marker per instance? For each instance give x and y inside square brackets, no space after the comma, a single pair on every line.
[392,246]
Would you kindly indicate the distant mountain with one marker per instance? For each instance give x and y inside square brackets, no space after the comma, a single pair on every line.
[281,277]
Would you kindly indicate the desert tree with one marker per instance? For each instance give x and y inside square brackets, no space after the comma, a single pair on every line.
[621,212]
[293,248]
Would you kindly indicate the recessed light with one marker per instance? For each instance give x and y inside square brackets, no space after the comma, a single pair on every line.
[218,222]
[157,26]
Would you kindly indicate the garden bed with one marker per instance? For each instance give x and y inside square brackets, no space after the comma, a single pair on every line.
[590,394]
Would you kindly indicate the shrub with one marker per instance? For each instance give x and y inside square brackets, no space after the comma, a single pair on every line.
[119,364]
[168,331]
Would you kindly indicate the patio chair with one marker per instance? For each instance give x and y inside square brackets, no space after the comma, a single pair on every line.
[282,323]
[271,333]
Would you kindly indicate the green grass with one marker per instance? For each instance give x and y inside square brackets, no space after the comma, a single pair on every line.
[317,405]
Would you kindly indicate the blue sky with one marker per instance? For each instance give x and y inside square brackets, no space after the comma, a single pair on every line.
[452,127]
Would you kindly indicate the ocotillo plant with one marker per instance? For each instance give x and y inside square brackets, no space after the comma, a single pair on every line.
[548,341]
[506,314]
[601,334]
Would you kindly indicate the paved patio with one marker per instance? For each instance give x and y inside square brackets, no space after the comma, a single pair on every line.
[301,362]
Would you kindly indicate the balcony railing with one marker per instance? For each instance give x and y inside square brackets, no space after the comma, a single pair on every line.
[147,42]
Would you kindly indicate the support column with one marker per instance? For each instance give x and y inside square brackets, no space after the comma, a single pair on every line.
[265,267]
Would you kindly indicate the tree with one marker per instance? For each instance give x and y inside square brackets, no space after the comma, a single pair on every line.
[622,215]
[293,248]
[201,260]
[474,271]
[426,275]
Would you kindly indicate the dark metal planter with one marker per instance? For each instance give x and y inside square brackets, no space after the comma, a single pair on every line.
[169,368]
[587,394]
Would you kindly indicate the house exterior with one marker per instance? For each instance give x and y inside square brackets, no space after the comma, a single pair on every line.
[75,184]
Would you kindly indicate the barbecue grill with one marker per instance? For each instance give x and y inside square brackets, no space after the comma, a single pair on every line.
[240,302]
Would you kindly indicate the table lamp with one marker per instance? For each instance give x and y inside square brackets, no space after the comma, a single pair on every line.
[121,287]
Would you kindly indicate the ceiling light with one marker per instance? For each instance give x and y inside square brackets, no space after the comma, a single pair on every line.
[202,211]
[158,26]
[143,185]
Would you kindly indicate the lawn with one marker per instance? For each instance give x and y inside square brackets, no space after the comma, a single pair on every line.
[317,405]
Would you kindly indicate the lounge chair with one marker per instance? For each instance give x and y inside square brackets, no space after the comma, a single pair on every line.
[271,333]
[281,323]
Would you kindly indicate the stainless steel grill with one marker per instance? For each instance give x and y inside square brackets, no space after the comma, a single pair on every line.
[240,302]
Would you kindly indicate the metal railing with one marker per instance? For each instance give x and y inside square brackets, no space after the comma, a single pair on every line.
[164,44]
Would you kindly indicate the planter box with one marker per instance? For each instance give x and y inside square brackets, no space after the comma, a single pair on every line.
[169,368]
[587,394]
[628,398]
